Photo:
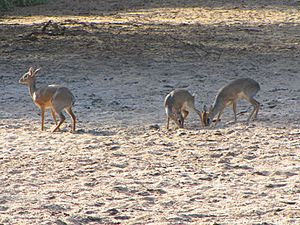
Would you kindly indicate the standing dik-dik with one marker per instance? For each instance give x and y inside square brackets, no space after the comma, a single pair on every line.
[177,104]
[55,97]
[244,88]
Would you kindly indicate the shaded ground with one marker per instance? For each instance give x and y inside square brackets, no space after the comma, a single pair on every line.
[120,60]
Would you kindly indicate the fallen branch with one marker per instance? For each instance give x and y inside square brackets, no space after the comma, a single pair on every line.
[199,46]
[50,28]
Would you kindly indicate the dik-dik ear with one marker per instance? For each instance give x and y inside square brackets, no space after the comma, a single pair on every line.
[194,95]
[36,71]
[30,71]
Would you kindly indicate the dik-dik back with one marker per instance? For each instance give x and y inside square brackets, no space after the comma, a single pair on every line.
[244,88]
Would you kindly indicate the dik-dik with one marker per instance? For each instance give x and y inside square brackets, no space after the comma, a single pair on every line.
[177,105]
[244,88]
[55,97]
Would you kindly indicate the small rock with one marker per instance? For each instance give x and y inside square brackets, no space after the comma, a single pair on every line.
[112,211]
[121,189]
[244,167]
[230,131]
[155,174]
[289,202]
[60,222]
[278,89]
[3,208]
[149,199]
[179,219]
[90,212]
[275,185]
[216,155]
[154,127]
[55,208]
[261,173]
[155,152]
[114,147]
[122,166]
[249,157]
[272,106]
[97,102]
[90,184]
[99,204]
[144,193]
[197,215]
[205,178]
[3,201]
[122,217]
[181,133]
[218,133]
[114,103]
[160,191]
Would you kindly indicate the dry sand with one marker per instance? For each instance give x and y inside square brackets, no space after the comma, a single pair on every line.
[123,166]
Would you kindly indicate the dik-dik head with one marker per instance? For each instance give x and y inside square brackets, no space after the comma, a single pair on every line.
[176,115]
[29,76]
[205,116]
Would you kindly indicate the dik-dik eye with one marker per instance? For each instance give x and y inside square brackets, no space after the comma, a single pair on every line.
[208,121]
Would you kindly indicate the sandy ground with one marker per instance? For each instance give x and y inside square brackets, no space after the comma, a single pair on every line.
[122,166]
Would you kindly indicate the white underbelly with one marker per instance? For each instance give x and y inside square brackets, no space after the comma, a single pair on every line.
[34,96]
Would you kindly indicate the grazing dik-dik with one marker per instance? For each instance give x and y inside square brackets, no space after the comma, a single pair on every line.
[57,98]
[177,104]
[244,88]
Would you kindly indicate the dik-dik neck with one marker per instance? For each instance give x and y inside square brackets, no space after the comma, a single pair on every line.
[216,108]
[32,87]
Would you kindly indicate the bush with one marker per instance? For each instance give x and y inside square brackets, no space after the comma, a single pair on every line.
[5,5]
[9,4]
[29,2]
